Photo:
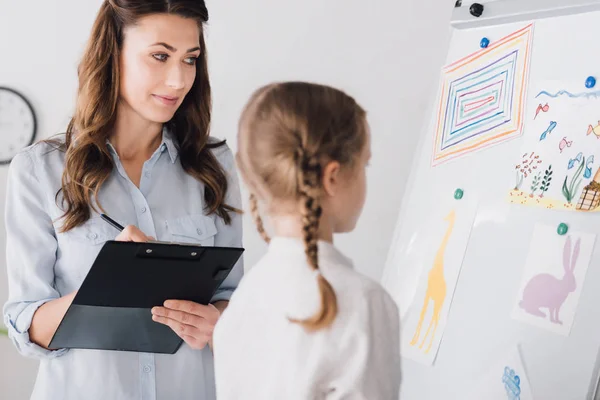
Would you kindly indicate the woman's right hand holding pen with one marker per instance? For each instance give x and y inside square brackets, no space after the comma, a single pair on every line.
[131,233]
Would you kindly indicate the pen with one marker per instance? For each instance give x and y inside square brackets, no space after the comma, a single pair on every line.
[111,221]
[120,227]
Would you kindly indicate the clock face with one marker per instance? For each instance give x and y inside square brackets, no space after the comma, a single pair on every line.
[17,124]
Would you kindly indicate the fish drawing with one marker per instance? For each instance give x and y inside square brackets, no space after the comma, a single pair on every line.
[550,129]
[577,158]
[542,108]
[595,130]
[564,143]
[588,169]
[512,383]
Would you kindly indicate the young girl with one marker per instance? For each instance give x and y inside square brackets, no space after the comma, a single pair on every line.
[303,324]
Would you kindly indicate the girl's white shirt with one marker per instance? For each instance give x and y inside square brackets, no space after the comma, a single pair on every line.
[260,354]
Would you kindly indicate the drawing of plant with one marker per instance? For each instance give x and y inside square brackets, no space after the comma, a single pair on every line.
[512,383]
[546,180]
[536,182]
[569,190]
[519,180]
[528,165]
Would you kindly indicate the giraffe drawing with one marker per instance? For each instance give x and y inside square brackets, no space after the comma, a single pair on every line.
[436,289]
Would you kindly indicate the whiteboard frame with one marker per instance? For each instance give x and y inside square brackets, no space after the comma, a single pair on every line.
[593,392]
[508,11]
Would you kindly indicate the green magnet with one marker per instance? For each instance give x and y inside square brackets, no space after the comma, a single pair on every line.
[458,194]
[562,229]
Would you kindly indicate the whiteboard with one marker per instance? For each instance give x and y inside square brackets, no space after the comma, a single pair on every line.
[479,327]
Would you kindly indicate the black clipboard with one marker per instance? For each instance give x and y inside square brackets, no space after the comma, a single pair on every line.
[112,309]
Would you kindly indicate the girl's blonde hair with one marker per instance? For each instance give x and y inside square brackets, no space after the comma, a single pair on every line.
[287,133]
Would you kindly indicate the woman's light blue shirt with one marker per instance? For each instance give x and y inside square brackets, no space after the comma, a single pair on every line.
[44,264]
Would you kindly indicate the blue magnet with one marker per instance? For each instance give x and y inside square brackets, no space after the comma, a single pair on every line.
[485,42]
[562,228]
[590,82]
[458,194]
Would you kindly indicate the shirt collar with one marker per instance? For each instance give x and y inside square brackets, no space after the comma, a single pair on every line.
[167,140]
[287,245]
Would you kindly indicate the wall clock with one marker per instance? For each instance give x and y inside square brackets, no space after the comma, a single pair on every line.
[18,124]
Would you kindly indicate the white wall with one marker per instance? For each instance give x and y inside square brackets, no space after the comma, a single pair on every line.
[385,53]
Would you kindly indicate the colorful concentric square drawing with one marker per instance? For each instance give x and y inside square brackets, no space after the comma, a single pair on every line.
[482,98]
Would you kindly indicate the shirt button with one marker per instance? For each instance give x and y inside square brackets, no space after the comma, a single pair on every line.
[147,368]
[199,231]
[163,148]
[92,236]
[147,174]
[143,209]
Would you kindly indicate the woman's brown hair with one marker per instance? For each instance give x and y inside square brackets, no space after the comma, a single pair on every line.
[88,162]
[287,133]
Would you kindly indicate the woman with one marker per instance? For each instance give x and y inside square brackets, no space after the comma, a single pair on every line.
[138,149]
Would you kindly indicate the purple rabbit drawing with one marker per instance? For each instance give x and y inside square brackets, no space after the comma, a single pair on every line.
[548,291]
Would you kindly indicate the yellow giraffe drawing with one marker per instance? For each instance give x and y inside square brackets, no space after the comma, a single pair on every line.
[436,289]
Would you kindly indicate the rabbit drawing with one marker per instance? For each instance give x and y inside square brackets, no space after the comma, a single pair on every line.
[547,291]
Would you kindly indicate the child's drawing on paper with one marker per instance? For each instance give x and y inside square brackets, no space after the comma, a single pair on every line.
[448,239]
[482,97]
[554,274]
[436,290]
[505,380]
[549,291]
[559,134]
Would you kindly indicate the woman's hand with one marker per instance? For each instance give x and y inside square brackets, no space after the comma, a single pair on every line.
[47,318]
[192,322]
[131,233]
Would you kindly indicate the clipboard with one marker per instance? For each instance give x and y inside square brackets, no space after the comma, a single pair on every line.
[112,309]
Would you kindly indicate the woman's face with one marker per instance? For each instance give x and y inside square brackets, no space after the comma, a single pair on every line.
[158,65]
